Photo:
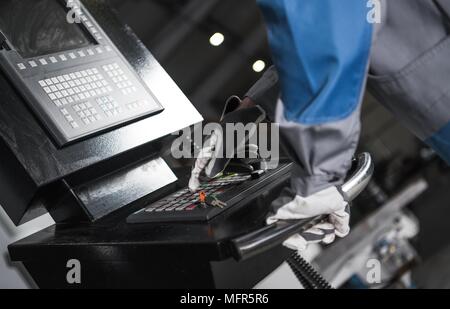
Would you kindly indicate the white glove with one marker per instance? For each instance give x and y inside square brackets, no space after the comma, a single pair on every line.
[204,157]
[327,202]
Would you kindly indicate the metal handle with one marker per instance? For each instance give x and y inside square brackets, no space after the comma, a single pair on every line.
[273,235]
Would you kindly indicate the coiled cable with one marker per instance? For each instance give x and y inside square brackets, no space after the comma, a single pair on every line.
[306,274]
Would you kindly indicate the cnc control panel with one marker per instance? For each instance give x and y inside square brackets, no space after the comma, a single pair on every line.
[68,70]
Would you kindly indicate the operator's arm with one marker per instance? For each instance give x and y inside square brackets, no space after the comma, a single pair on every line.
[321,50]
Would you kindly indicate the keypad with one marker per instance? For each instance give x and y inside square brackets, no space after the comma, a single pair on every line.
[72,92]
[109,106]
[75,87]
[120,78]
[85,98]
[69,118]
[185,200]
[87,112]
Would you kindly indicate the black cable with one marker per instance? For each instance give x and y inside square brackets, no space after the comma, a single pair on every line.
[306,273]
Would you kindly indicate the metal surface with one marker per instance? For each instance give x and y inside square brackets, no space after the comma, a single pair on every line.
[273,235]
[118,190]
[358,182]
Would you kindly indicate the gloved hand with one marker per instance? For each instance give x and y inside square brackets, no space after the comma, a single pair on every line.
[327,202]
[204,157]
[208,160]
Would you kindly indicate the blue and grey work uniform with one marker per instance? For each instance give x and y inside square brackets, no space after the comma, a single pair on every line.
[326,50]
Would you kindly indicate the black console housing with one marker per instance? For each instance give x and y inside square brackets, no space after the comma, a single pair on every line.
[35,172]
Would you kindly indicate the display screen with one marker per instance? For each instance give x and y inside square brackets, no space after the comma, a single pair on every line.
[40,27]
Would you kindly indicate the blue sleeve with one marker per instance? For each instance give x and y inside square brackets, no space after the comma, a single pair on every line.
[321,50]
[440,142]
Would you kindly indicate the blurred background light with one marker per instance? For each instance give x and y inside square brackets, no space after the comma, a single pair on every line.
[259,66]
[217,39]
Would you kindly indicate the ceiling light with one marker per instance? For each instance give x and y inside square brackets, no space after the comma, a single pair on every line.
[217,39]
[259,66]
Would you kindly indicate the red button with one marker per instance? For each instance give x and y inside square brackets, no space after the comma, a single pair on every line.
[192,207]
